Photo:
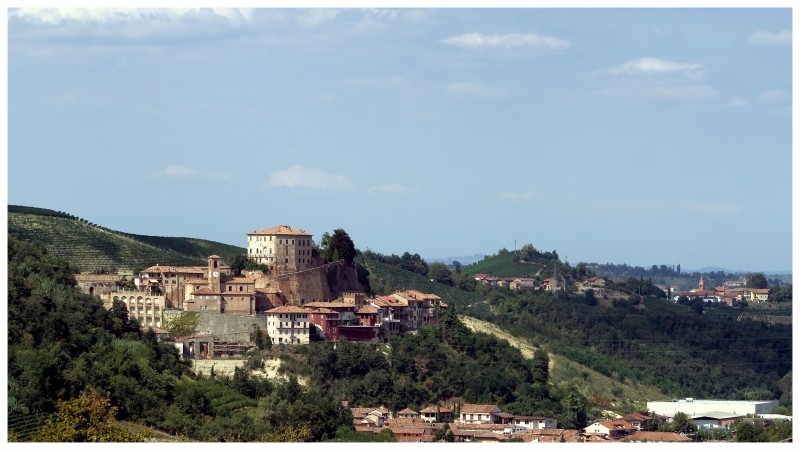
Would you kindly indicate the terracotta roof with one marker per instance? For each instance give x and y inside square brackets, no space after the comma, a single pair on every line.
[617,424]
[204,290]
[636,416]
[281,230]
[388,301]
[417,295]
[324,311]
[470,408]
[408,411]
[656,436]
[433,409]
[287,309]
[331,305]
[367,310]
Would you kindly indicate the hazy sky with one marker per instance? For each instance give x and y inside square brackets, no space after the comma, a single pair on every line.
[638,136]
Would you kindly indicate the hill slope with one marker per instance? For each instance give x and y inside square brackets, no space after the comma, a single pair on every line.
[92,248]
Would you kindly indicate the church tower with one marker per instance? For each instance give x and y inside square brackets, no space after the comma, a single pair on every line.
[702,285]
[213,273]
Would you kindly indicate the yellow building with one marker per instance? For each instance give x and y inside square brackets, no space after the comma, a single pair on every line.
[282,248]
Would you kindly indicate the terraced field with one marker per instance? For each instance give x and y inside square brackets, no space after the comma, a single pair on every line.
[90,248]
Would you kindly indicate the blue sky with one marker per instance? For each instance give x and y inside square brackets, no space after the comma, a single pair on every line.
[638,136]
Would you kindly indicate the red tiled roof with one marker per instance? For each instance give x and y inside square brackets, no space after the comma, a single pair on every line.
[655,436]
[367,310]
[287,309]
[636,416]
[433,409]
[469,408]
[330,305]
[407,411]
[281,230]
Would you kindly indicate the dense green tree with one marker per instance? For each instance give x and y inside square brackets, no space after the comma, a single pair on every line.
[757,281]
[340,246]
[440,273]
[184,324]
[88,418]
[747,431]
[682,424]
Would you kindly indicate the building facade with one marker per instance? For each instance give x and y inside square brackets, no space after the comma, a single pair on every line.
[288,325]
[282,248]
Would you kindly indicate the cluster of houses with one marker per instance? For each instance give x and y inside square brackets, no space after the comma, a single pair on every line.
[354,318]
[547,284]
[488,423]
[287,307]
[730,293]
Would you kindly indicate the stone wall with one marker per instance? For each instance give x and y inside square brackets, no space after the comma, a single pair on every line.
[230,327]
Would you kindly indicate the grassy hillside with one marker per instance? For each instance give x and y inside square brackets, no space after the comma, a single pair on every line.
[386,278]
[92,248]
[519,264]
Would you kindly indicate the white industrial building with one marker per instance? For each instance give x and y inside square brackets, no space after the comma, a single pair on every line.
[693,407]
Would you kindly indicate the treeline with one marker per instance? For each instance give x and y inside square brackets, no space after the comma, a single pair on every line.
[74,367]
[445,365]
[684,351]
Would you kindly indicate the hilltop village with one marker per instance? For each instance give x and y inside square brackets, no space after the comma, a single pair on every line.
[292,302]
[295,302]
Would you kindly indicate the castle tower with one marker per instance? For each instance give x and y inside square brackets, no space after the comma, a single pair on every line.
[213,273]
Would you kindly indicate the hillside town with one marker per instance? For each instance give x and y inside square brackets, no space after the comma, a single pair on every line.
[488,423]
[292,303]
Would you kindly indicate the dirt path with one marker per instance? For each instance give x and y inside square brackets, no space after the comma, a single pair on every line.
[485,327]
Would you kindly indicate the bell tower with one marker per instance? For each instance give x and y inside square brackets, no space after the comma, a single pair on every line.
[213,273]
[702,285]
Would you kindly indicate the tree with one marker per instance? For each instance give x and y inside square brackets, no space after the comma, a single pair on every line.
[238,264]
[340,246]
[540,367]
[757,281]
[682,424]
[88,418]
[440,273]
[183,325]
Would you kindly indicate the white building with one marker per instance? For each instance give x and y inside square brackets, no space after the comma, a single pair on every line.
[692,407]
[288,325]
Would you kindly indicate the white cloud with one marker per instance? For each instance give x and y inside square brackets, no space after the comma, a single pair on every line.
[315,17]
[767,38]
[519,196]
[474,89]
[736,101]
[307,177]
[179,171]
[117,16]
[654,65]
[479,40]
[774,97]
[391,187]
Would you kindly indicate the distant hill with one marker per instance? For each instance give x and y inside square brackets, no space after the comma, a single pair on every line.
[91,248]
[530,263]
